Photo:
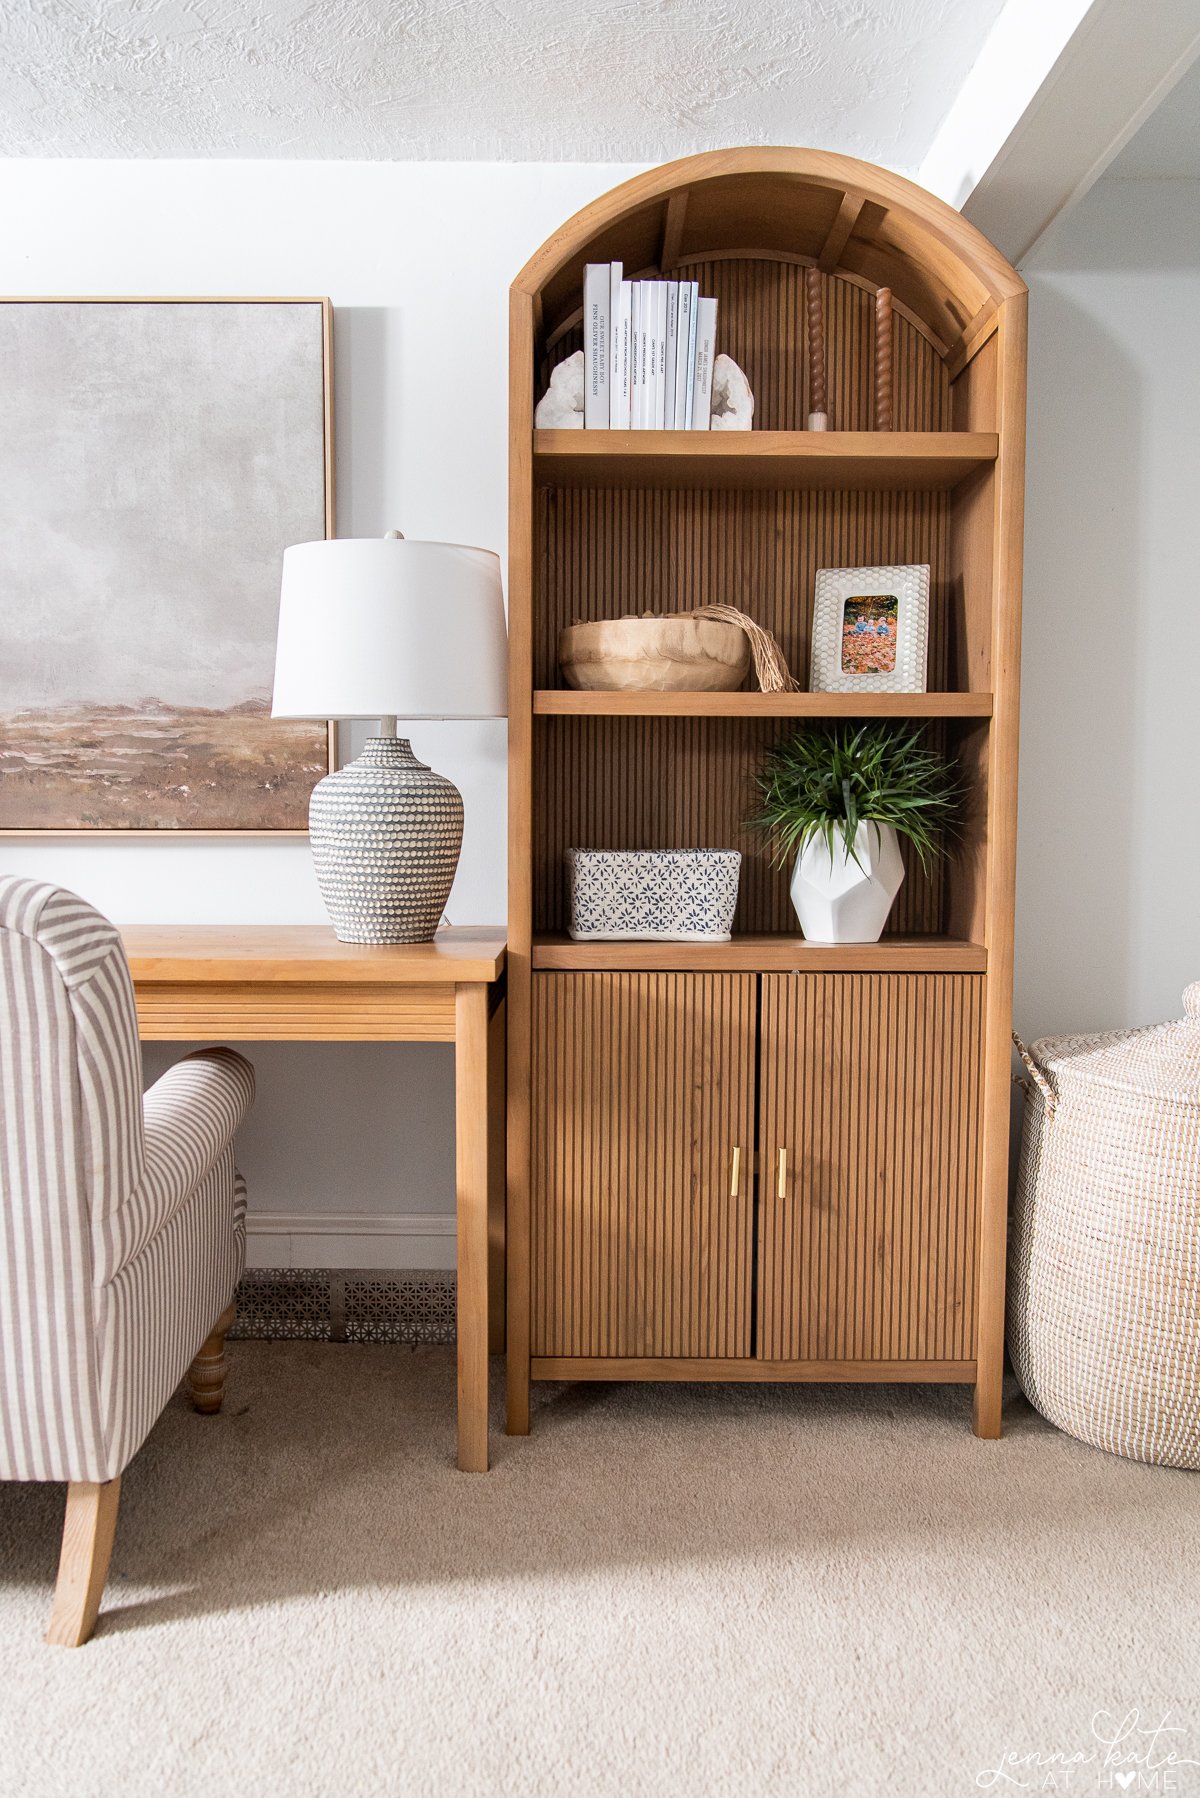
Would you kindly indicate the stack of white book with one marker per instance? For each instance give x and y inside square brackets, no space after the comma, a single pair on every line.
[648,351]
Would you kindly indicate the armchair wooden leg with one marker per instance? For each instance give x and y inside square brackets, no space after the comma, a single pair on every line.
[87,1540]
[206,1380]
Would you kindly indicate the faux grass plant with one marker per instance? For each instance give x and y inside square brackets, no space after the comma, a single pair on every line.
[828,778]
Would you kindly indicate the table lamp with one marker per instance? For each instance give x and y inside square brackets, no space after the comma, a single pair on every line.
[383,627]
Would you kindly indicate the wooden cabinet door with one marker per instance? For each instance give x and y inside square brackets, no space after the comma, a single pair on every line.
[870,1088]
[643,1088]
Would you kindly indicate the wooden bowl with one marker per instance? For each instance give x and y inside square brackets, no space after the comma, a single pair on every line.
[654,655]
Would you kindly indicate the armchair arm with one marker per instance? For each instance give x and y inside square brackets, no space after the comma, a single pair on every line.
[190,1114]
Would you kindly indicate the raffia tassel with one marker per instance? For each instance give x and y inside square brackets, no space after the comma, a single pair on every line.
[770,669]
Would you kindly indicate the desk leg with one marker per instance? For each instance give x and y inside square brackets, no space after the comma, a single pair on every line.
[497,1176]
[471,1138]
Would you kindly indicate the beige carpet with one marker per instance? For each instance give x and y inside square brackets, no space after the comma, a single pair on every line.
[663,1590]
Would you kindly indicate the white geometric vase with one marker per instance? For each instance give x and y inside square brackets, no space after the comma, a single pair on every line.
[386,833]
[842,900]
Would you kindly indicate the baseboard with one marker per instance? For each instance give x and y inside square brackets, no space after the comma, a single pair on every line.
[346,1239]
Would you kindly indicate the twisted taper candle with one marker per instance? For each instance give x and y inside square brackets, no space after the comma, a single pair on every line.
[883,359]
[815,312]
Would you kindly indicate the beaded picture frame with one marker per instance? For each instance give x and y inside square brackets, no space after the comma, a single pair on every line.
[870,630]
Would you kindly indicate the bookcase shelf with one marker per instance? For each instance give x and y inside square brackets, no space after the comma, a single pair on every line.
[816,461]
[769,953]
[554,702]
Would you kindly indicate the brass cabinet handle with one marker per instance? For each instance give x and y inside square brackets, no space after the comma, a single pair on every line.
[781,1189]
[737,1172]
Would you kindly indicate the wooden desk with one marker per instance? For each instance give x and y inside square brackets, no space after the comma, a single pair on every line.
[297,983]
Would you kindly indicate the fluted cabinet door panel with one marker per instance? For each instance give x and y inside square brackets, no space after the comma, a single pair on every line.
[870,1086]
[643,1086]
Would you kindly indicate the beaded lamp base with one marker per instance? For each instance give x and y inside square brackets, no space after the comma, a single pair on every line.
[386,833]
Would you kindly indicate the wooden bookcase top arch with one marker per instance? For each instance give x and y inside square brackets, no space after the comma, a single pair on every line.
[605,522]
[805,206]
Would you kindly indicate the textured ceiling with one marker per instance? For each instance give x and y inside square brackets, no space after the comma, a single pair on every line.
[1167,148]
[514,80]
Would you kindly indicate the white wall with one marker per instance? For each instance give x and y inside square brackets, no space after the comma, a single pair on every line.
[1108,903]
[417,258]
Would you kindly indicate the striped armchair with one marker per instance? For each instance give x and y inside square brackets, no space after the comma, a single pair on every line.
[122,1225]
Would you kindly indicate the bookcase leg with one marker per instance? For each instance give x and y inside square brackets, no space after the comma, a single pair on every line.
[517,1419]
[986,1411]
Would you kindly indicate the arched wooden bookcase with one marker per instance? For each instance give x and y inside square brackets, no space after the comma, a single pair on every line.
[875,1249]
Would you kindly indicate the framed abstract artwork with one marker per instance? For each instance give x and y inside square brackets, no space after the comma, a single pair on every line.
[870,630]
[158,457]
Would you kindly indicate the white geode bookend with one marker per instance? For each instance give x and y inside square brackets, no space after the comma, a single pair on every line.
[732,400]
[561,406]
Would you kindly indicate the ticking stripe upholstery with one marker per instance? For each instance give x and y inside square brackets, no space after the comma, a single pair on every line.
[122,1222]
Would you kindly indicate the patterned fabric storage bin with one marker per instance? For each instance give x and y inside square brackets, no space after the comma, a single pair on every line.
[653,895]
[1104,1277]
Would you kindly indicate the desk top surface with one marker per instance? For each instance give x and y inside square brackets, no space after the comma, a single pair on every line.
[307,954]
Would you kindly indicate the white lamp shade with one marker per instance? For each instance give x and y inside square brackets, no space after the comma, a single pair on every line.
[378,627]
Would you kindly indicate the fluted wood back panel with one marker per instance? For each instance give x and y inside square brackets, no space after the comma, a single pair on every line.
[682,783]
[603,552]
[642,1086]
[608,551]
[871,1084]
[761,324]
[676,783]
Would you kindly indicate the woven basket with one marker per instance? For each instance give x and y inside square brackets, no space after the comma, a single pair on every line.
[1104,1275]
